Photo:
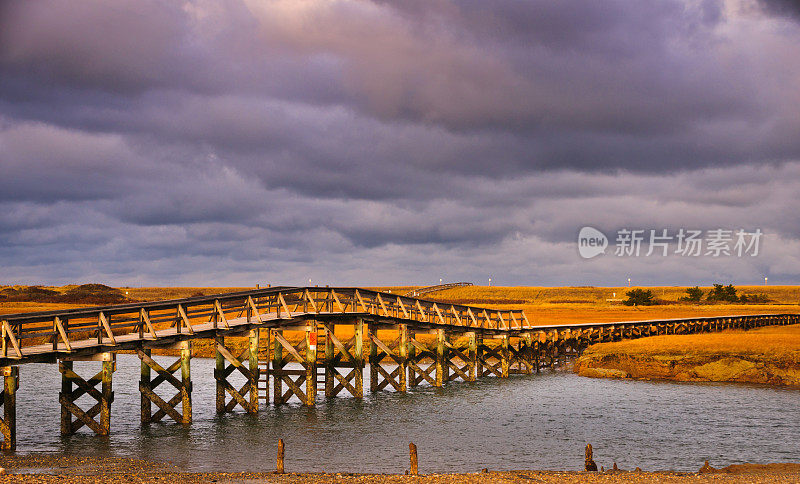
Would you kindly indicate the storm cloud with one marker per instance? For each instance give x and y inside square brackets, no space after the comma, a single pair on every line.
[380,142]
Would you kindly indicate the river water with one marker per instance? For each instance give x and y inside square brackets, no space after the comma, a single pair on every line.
[523,422]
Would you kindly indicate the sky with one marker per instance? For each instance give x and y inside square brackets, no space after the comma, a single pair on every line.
[372,142]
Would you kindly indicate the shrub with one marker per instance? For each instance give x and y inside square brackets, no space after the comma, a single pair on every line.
[639,297]
[754,298]
[720,293]
[693,294]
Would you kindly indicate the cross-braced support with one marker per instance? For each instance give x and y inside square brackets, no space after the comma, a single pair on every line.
[103,397]
[8,398]
[226,364]
[458,363]
[489,359]
[418,355]
[380,377]
[183,386]
[305,353]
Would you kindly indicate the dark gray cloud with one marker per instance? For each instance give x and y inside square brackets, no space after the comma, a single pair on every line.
[369,142]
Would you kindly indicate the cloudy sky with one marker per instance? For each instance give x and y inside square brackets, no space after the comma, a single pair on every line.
[362,142]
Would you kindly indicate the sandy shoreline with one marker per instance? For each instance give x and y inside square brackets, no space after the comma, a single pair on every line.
[48,468]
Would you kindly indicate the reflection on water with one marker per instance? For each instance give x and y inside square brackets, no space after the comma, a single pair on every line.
[524,422]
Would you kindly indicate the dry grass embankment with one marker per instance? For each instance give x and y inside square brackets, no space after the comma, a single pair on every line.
[768,355]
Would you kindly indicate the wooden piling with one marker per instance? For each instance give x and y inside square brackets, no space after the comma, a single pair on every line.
[330,378]
[279,466]
[186,382]
[219,369]
[144,381]
[472,355]
[412,451]
[402,351]
[311,363]
[441,362]
[8,425]
[66,389]
[505,356]
[358,355]
[373,358]
[277,366]
[107,394]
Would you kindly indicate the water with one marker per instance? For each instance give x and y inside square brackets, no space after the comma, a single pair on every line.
[524,422]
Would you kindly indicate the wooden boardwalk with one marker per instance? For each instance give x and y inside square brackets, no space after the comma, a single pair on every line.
[405,342]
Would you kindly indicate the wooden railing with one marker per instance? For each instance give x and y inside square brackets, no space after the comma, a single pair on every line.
[105,325]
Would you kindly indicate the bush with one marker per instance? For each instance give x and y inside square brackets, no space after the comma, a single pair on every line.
[720,293]
[639,297]
[754,298]
[693,294]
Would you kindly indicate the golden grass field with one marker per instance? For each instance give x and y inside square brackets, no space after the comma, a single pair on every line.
[769,355]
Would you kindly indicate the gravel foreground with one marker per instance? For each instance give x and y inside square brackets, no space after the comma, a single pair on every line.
[48,468]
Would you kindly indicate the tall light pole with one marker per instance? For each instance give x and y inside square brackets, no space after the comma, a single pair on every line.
[629,282]
[765,281]
[490,282]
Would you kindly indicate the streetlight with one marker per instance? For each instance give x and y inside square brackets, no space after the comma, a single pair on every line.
[440,280]
[765,281]
[490,281]
[629,282]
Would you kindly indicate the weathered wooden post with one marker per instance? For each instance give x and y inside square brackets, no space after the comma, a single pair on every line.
[412,356]
[441,363]
[412,451]
[330,379]
[528,353]
[589,464]
[472,355]
[9,401]
[373,357]
[254,337]
[358,350]
[311,363]
[144,382]
[219,371]
[106,392]
[479,354]
[505,356]
[186,381]
[277,367]
[402,351]
[279,466]
[66,389]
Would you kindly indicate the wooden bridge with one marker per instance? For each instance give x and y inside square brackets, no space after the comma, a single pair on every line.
[317,340]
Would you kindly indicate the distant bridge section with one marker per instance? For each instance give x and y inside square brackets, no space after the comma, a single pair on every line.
[436,288]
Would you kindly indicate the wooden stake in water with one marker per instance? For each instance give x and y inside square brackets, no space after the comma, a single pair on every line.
[412,450]
[280,457]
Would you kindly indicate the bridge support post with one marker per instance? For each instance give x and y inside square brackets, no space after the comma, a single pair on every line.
[358,356]
[330,376]
[505,356]
[183,386]
[472,355]
[8,424]
[373,358]
[104,397]
[411,359]
[402,351]
[527,354]
[311,363]
[441,357]
[226,363]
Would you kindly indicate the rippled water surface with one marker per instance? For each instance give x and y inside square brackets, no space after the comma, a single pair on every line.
[524,422]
